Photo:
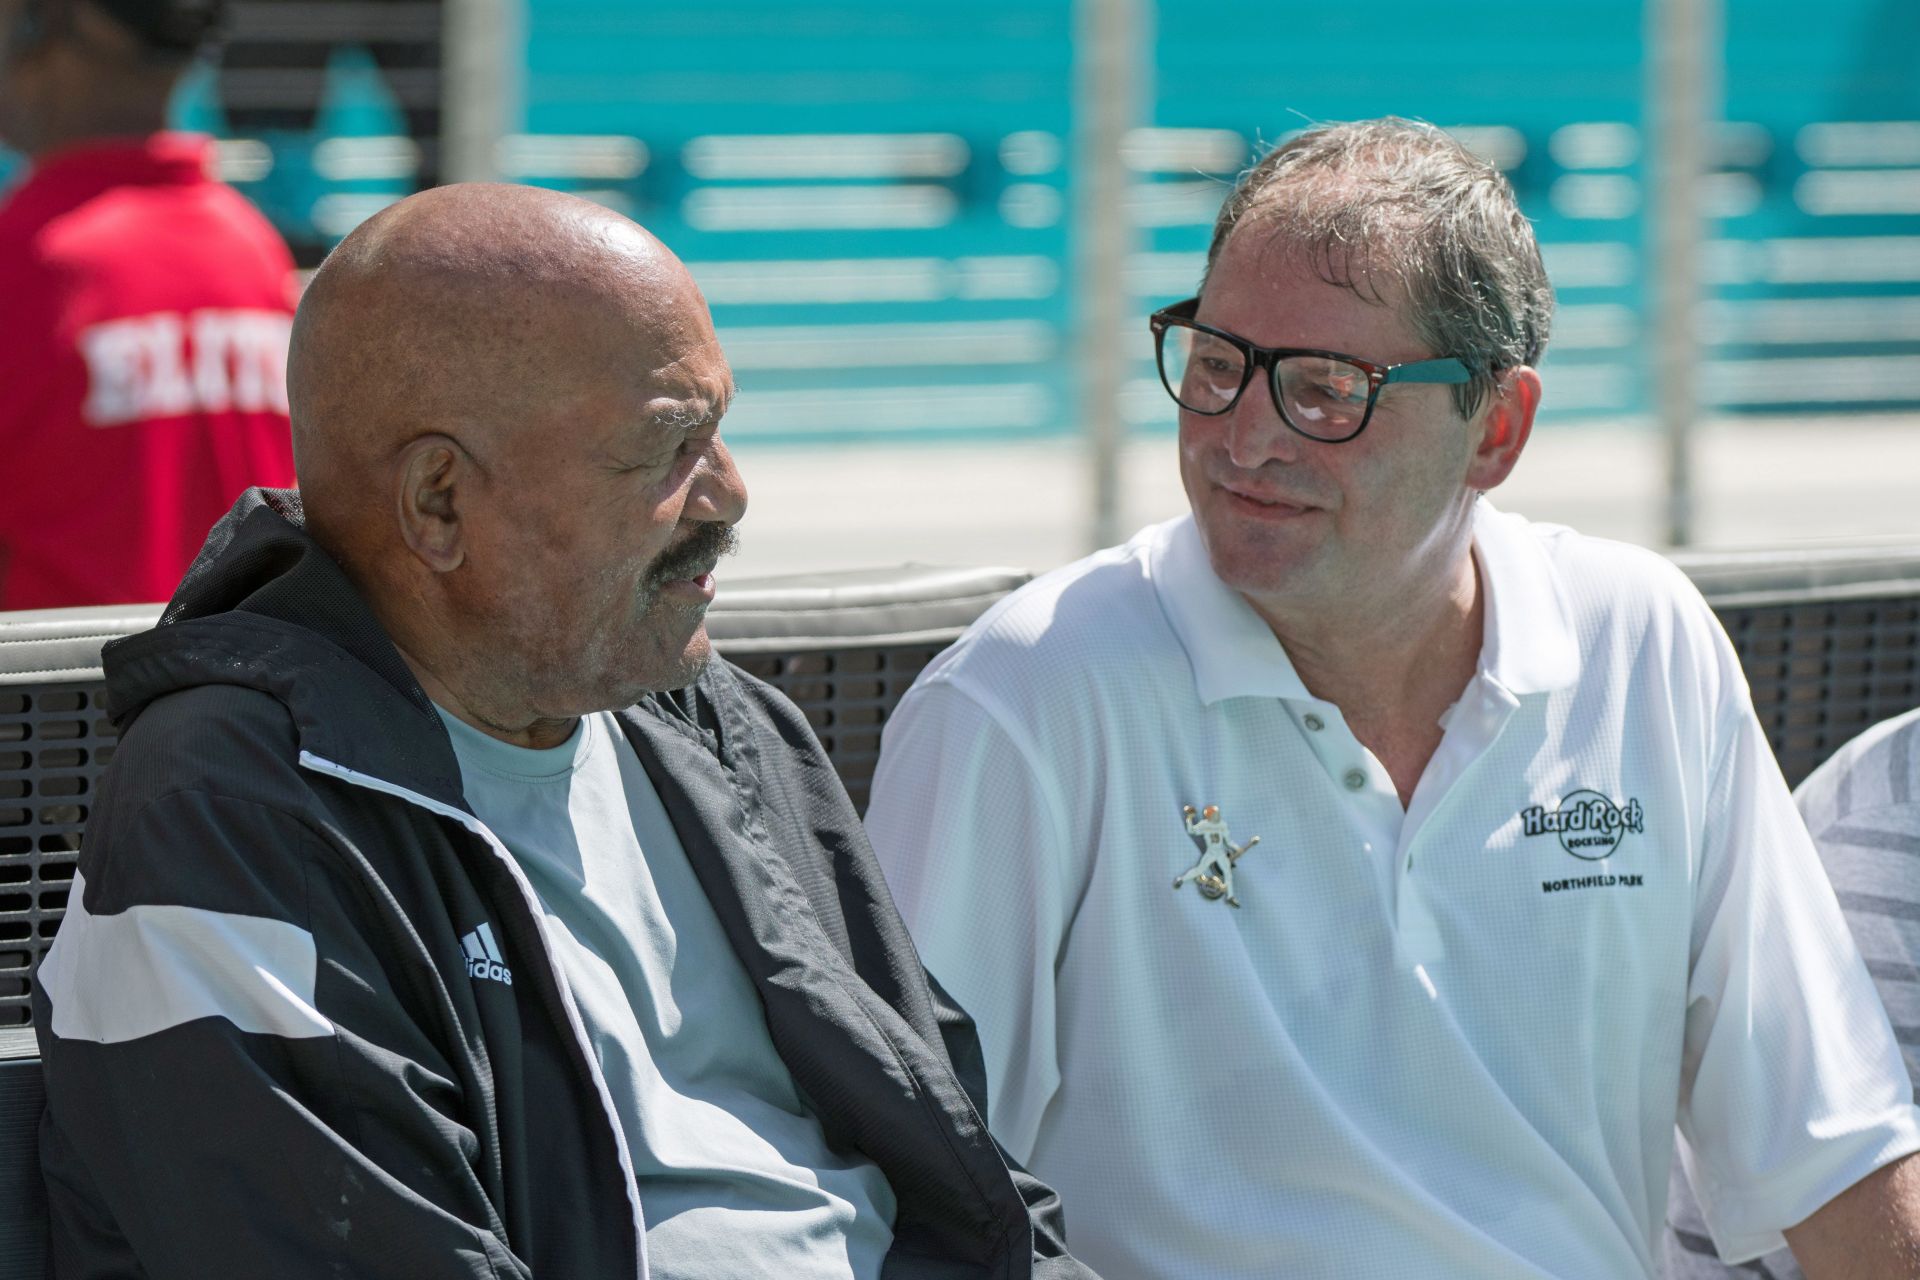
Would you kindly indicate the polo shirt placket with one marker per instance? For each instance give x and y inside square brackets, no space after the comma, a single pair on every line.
[1234,655]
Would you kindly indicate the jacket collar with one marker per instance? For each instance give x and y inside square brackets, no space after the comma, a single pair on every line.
[265,607]
[882,1080]
[1528,644]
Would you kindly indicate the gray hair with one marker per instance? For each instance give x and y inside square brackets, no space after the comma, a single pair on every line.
[1402,199]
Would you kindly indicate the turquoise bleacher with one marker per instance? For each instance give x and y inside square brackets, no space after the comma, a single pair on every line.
[945,301]
[876,196]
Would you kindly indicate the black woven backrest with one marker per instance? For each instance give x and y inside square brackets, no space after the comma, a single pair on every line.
[53,743]
[1822,672]
[1830,642]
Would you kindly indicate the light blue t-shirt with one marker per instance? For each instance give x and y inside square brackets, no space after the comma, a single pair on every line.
[736,1179]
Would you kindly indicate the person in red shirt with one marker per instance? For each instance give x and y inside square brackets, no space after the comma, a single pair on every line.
[144,311]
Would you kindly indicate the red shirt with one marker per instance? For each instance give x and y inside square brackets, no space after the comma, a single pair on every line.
[144,312]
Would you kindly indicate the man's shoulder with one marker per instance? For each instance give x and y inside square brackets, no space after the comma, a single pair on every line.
[196,245]
[16,239]
[240,219]
[1606,567]
[18,217]
[1612,587]
[203,804]
[27,282]
[1095,620]
[218,739]
[1873,780]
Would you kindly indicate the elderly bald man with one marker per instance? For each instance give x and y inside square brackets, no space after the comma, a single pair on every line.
[395,949]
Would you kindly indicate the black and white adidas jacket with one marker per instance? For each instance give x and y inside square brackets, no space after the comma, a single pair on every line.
[278,1040]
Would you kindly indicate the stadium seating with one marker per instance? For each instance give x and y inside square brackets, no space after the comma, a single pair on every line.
[1830,640]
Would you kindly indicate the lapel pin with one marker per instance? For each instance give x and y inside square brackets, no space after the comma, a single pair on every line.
[1213,874]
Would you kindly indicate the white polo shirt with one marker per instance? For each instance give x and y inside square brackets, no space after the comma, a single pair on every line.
[1449,1041]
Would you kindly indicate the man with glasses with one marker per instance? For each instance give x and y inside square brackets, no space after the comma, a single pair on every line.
[1528,889]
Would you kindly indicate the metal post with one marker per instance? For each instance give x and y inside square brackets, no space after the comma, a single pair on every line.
[479,39]
[1108,76]
[1683,89]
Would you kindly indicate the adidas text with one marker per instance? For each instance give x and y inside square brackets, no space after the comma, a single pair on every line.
[490,969]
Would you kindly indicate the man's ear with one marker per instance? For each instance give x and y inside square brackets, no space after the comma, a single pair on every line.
[1505,423]
[434,478]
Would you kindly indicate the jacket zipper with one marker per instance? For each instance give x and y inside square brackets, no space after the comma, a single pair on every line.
[320,764]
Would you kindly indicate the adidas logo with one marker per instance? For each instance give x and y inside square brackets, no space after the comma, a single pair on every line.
[483,955]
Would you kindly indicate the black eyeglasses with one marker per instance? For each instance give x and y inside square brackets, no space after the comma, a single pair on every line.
[1323,395]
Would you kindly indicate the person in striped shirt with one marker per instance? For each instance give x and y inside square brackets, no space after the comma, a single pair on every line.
[1863,809]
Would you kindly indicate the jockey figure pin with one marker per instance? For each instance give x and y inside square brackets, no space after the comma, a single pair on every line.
[1213,874]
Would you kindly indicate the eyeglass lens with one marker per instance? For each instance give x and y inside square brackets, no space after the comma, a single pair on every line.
[1317,396]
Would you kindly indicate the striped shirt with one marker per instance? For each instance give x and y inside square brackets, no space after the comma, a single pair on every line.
[1863,808]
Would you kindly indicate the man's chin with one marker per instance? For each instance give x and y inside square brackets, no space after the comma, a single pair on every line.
[693,660]
[667,669]
[1256,565]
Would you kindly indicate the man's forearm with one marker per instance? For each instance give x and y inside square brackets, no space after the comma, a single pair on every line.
[1870,1231]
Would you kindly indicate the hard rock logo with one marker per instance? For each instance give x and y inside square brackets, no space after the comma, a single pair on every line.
[1589,825]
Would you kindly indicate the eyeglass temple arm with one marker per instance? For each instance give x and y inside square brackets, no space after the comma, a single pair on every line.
[1446,370]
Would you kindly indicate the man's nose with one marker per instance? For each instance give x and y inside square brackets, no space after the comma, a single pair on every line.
[1255,432]
[719,493]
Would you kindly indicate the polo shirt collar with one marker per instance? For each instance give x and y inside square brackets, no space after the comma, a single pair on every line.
[1233,651]
[1528,645]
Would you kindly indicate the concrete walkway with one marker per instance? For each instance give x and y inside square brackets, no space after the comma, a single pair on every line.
[1761,482]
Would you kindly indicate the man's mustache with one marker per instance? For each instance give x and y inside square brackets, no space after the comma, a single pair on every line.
[695,556]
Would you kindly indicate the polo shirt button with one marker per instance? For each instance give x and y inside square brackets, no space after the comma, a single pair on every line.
[1355,779]
[1314,722]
